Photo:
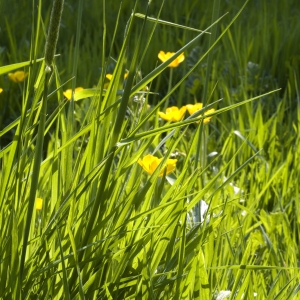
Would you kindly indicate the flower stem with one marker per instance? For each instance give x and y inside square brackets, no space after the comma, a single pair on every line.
[169,87]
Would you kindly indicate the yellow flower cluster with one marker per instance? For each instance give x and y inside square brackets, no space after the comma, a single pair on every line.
[149,163]
[175,114]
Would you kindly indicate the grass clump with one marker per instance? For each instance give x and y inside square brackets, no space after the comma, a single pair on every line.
[114,192]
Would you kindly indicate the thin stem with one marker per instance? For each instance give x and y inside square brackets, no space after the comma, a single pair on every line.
[169,87]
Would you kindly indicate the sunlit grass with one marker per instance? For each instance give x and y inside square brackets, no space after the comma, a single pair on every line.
[133,201]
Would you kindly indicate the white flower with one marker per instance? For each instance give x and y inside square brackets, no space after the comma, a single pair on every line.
[197,214]
[223,295]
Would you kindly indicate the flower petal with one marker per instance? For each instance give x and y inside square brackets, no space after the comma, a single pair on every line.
[150,163]
[207,120]
[165,56]
[68,92]
[173,113]
[193,108]
[11,76]
[17,76]
[164,116]
[39,203]
[108,76]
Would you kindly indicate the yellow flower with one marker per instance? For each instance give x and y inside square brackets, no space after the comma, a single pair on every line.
[39,203]
[68,93]
[173,113]
[109,76]
[17,76]
[164,56]
[149,163]
[193,108]
[1,90]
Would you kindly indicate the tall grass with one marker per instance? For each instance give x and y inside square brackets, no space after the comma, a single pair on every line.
[224,223]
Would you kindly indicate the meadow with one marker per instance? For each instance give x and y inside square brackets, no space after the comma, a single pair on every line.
[156,157]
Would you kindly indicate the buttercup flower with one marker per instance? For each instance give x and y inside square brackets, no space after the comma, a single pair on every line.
[109,76]
[68,93]
[39,204]
[17,76]
[149,163]
[126,75]
[1,90]
[173,113]
[164,56]
[193,108]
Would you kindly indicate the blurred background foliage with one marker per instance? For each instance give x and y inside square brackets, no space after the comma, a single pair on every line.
[260,52]
[266,34]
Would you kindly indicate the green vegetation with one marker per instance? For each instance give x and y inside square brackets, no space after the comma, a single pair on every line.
[103,196]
